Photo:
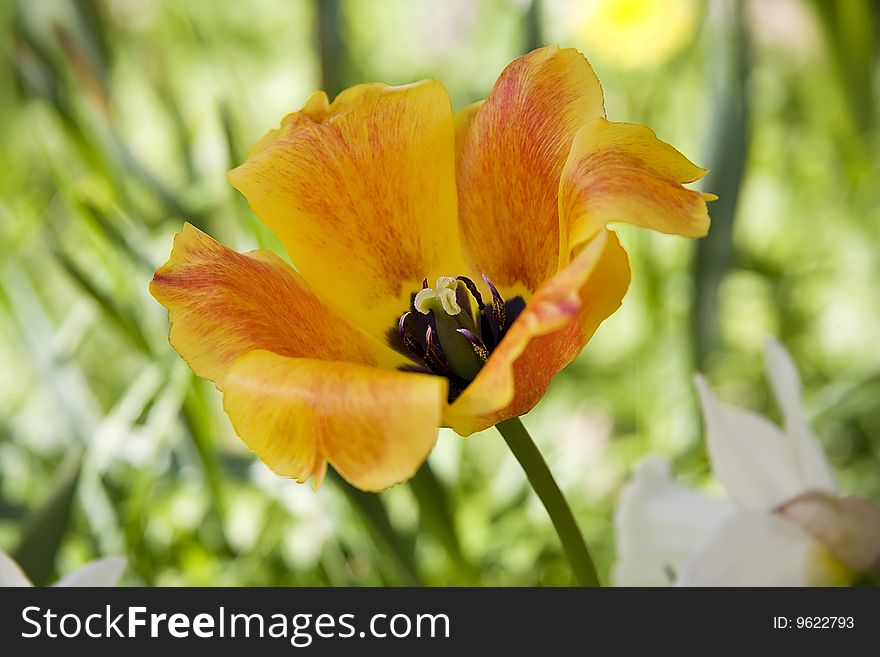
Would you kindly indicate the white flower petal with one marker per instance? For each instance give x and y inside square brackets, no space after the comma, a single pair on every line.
[757,464]
[758,549]
[848,526]
[784,379]
[11,573]
[808,456]
[659,525]
[102,572]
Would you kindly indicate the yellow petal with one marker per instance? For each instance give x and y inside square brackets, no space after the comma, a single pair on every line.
[510,153]
[554,327]
[223,304]
[375,427]
[622,172]
[361,192]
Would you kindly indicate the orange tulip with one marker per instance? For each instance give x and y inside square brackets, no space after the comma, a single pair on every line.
[352,358]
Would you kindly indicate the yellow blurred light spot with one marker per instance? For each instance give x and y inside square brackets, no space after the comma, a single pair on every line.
[636,33]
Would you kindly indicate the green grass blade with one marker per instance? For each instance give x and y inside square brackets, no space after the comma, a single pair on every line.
[435,512]
[44,530]
[388,540]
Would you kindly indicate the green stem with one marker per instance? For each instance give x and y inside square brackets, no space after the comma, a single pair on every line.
[523,447]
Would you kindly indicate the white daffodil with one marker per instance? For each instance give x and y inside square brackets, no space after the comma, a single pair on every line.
[783,523]
[101,572]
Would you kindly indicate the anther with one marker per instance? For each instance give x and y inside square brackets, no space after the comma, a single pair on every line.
[434,354]
[479,348]
[475,293]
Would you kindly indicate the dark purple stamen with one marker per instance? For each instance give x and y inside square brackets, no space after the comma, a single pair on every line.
[492,288]
[401,324]
[493,318]
[479,348]
[497,308]
[472,288]
[406,336]
[434,357]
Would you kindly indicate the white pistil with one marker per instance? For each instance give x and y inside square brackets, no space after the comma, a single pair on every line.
[444,291]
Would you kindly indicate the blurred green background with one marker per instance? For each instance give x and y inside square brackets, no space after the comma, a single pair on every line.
[120,118]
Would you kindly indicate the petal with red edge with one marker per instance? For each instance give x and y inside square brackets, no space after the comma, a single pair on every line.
[361,192]
[553,328]
[223,304]
[622,172]
[375,427]
[510,153]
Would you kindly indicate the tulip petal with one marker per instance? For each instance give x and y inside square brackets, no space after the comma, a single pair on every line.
[510,153]
[757,463]
[622,172]
[553,328]
[361,192]
[786,386]
[659,524]
[223,304]
[11,573]
[375,427]
[101,572]
[757,549]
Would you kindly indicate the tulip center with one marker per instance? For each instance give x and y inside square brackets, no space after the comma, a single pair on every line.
[450,332]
